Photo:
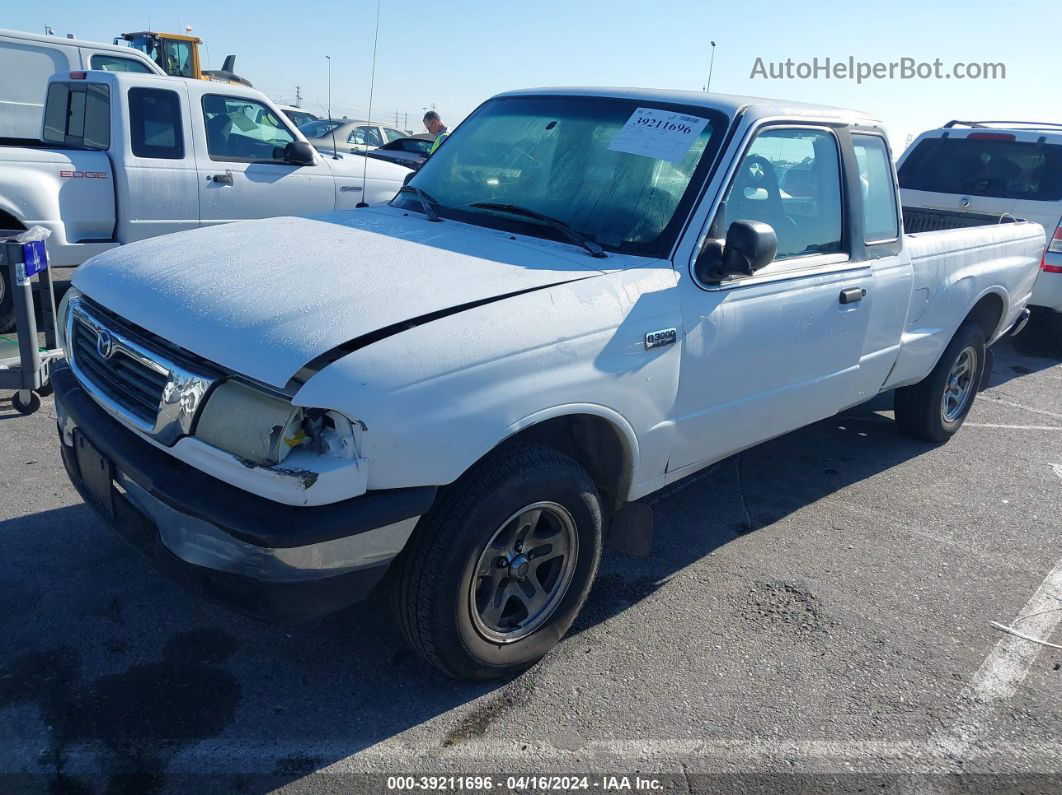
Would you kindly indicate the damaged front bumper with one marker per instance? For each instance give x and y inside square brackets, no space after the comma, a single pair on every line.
[273,561]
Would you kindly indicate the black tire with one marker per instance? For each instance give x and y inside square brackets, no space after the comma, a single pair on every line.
[920,408]
[26,408]
[432,580]
[7,302]
[10,225]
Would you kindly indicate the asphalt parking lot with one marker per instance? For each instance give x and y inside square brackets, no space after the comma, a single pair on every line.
[818,608]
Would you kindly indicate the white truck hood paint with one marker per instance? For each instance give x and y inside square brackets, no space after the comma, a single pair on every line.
[265,297]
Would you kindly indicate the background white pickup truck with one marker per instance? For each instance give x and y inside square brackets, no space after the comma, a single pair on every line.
[28,60]
[589,294]
[128,156]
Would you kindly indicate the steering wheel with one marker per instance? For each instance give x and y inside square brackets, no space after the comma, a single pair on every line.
[758,172]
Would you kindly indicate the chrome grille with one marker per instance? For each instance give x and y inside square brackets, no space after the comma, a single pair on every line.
[124,380]
[135,376]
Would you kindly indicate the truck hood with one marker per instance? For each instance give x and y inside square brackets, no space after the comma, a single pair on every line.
[265,298]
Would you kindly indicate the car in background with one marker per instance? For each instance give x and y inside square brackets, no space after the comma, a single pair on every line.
[298,116]
[348,135]
[411,151]
[973,173]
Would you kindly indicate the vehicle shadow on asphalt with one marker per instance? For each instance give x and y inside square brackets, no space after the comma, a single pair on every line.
[1035,349]
[112,655]
[748,492]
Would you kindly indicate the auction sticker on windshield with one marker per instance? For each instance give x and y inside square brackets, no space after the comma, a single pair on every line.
[661,134]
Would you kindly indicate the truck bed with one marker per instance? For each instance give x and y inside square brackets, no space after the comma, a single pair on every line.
[954,269]
[67,190]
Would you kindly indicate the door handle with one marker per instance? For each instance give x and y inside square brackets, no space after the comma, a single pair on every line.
[222,179]
[852,295]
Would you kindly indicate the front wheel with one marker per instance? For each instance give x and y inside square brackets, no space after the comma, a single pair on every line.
[496,573]
[934,408]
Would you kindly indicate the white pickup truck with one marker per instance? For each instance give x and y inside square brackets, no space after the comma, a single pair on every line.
[583,296]
[126,156]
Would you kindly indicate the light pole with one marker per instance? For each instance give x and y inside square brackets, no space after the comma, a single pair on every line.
[335,149]
[711,65]
[329,59]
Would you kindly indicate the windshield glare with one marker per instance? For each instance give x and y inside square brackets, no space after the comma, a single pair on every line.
[551,155]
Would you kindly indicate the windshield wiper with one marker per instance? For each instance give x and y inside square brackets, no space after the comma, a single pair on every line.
[426,201]
[578,238]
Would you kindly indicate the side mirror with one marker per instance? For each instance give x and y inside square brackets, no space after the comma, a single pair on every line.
[298,153]
[749,246]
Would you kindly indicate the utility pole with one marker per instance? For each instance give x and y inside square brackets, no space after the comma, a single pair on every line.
[298,96]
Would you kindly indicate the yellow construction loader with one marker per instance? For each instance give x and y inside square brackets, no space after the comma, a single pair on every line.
[178,55]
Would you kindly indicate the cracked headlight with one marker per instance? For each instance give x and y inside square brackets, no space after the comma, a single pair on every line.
[251,424]
[263,429]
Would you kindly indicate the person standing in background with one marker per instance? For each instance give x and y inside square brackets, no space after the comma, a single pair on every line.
[433,123]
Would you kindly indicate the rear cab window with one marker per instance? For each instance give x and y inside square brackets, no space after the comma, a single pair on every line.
[155,128]
[78,114]
[985,164]
[880,220]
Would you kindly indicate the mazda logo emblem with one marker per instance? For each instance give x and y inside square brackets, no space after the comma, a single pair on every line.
[104,344]
[964,202]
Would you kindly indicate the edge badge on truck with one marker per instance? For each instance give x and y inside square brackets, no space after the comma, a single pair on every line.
[658,339]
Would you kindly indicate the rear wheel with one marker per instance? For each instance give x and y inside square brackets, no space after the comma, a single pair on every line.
[934,408]
[497,572]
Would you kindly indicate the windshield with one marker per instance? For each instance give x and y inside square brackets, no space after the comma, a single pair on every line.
[985,167]
[300,117]
[318,129]
[574,159]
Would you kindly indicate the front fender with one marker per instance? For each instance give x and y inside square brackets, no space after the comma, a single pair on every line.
[437,398]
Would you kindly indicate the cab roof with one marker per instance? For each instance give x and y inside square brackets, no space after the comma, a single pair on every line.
[730,104]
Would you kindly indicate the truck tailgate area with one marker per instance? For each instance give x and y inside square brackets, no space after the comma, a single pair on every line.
[68,191]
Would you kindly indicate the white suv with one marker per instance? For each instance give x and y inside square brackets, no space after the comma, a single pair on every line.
[970,173]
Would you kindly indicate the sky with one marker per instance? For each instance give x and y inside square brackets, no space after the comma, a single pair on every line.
[453,54]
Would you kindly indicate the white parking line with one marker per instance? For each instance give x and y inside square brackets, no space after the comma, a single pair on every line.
[1007,665]
[1012,427]
[503,756]
[1030,409]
